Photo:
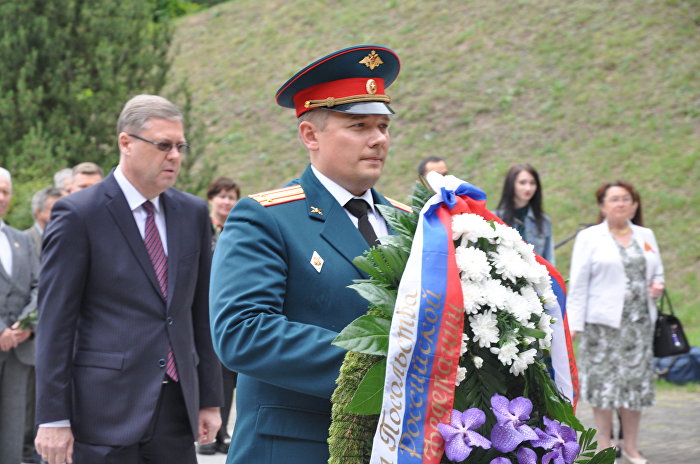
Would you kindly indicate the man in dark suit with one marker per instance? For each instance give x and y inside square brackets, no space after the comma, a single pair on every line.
[283,262]
[18,271]
[126,372]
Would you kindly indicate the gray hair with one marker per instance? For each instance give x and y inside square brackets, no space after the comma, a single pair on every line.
[87,167]
[40,197]
[141,108]
[5,174]
[60,177]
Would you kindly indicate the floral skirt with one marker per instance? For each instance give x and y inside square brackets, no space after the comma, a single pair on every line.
[617,365]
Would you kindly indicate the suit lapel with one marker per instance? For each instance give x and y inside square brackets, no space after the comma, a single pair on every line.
[125,222]
[173,233]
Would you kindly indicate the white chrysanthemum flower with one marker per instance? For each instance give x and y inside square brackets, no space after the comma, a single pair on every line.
[526,251]
[461,375]
[527,340]
[508,263]
[474,296]
[519,307]
[473,264]
[470,228]
[538,275]
[508,353]
[533,300]
[507,236]
[478,362]
[484,328]
[524,359]
[463,346]
[545,324]
[495,294]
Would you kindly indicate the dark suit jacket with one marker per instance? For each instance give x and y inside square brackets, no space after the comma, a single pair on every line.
[274,316]
[18,293]
[104,327]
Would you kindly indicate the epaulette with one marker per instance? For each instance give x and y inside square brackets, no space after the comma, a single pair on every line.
[279,196]
[399,205]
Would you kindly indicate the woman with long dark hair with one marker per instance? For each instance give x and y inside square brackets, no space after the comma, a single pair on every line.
[521,207]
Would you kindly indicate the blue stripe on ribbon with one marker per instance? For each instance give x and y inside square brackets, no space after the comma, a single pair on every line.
[434,278]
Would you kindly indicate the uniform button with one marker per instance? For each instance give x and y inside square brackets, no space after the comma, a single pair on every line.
[161,362]
[170,321]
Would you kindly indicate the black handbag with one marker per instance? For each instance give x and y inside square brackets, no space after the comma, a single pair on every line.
[669,338]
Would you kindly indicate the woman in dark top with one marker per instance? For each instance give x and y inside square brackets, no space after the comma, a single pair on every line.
[521,207]
[222,194]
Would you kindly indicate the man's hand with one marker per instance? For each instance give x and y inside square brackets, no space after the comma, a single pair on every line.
[55,444]
[7,340]
[209,424]
[21,335]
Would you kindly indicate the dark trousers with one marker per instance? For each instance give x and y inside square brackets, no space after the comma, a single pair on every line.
[168,439]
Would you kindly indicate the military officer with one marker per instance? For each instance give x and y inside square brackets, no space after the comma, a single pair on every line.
[281,268]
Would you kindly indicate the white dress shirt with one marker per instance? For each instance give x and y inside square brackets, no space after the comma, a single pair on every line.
[5,249]
[136,200]
[342,196]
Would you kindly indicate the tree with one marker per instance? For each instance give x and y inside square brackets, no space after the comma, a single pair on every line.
[68,68]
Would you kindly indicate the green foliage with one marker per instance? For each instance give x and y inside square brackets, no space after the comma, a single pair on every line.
[588,455]
[68,68]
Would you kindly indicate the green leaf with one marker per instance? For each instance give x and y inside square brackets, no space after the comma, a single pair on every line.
[368,397]
[366,334]
[380,296]
[532,332]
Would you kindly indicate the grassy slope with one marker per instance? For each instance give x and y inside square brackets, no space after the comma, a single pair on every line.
[586,91]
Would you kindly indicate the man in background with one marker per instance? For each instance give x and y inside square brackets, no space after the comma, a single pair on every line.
[63,180]
[42,202]
[85,175]
[432,163]
[18,280]
[126,372]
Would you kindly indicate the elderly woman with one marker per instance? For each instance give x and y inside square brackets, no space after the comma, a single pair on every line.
[616,277]
[521,207]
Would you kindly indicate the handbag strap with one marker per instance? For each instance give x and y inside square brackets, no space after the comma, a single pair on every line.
[665,298]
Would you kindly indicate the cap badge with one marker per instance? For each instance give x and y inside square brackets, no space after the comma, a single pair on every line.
[316,261]
[371,86]
[372,60]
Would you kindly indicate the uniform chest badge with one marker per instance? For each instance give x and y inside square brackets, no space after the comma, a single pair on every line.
[316,261]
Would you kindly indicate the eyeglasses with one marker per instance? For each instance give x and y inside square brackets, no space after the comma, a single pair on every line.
[164,146]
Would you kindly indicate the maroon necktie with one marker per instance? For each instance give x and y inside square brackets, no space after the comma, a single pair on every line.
[154,246]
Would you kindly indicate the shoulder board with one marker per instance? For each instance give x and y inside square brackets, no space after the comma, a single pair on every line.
[279,196]
[399,205]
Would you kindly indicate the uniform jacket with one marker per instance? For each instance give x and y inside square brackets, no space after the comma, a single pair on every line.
[274,317]
[597,285]
[104,327]
[18,293]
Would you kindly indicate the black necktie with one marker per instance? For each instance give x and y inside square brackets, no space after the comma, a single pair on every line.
[359,209]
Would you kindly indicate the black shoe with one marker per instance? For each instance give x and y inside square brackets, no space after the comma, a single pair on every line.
[208,448]
[222,447]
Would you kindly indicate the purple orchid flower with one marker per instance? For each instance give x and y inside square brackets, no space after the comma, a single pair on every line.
[525,456]
[561,439]
[460,436]
[511,429]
